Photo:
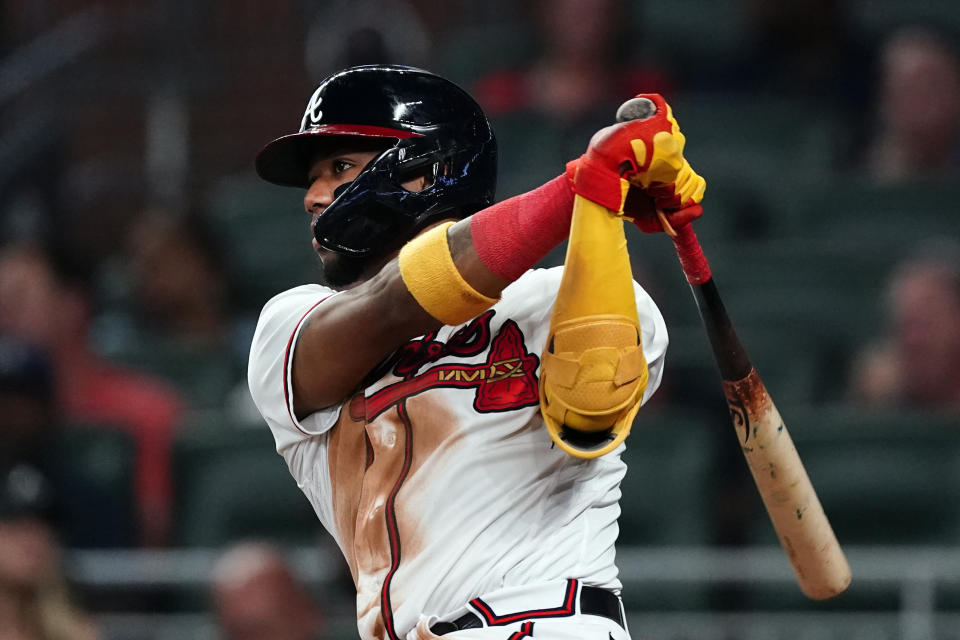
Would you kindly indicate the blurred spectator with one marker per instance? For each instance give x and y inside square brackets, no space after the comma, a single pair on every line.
[85,511]
[583,65]
[178,278]
[34,599]
[257,597]
[918,364]
[46,302]
[180,302]
[918,112]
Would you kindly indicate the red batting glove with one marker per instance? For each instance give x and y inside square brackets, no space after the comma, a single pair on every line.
[647,154]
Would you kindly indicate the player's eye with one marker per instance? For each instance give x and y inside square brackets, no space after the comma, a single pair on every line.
[339,166]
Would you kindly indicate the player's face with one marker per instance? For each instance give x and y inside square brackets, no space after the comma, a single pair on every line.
[331,169]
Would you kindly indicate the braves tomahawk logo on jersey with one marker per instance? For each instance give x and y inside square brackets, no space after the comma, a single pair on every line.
[506,380]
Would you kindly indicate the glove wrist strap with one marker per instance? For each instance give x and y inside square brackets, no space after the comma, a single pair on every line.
[597,183]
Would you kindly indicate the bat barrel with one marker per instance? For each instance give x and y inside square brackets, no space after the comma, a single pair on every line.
[788,495]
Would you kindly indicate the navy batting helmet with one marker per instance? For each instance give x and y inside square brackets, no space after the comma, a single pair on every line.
[432,127]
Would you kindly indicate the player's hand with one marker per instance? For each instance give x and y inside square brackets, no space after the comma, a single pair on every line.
[640,208]
[648,154]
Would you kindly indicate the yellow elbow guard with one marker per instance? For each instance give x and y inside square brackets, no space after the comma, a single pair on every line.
[432,278]
[593,372]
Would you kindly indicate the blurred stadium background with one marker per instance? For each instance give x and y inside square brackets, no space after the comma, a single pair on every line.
[126,145]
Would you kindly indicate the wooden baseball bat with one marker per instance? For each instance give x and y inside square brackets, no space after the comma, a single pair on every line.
[788,495]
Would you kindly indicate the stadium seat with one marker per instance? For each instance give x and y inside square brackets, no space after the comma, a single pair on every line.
[535,147]
[886,218]
[884,478]
[707,30]
[666,492]
[667,499]
[756,153]
[756,139]
[806,287]
[877,18]
[232,485]
[464,54]
[95,475]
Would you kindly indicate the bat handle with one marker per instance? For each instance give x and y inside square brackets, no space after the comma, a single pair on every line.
[692,260]
[731,357]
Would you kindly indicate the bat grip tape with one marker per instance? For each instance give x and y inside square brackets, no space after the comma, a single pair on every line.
[692,260]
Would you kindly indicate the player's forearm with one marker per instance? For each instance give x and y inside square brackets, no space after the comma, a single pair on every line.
[512,236]
[468,262]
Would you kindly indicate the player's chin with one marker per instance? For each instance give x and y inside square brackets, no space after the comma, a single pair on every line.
[338,271]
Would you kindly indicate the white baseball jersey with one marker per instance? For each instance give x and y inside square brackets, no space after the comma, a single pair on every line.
[438,480]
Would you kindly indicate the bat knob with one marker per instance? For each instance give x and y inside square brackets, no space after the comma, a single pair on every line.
[636,109]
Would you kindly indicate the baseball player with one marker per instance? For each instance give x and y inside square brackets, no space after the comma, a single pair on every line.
[403,393]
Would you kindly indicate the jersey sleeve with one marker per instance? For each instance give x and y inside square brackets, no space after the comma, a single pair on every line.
[653,336]
[270,366]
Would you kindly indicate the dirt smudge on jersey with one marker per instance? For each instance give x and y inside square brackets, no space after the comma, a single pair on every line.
[371,540]
[347,453]
[435,428]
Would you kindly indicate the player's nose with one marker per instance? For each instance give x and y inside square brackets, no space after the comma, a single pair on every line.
[318,196]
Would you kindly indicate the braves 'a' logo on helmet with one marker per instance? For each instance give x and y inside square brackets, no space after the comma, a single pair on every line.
[313,113]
